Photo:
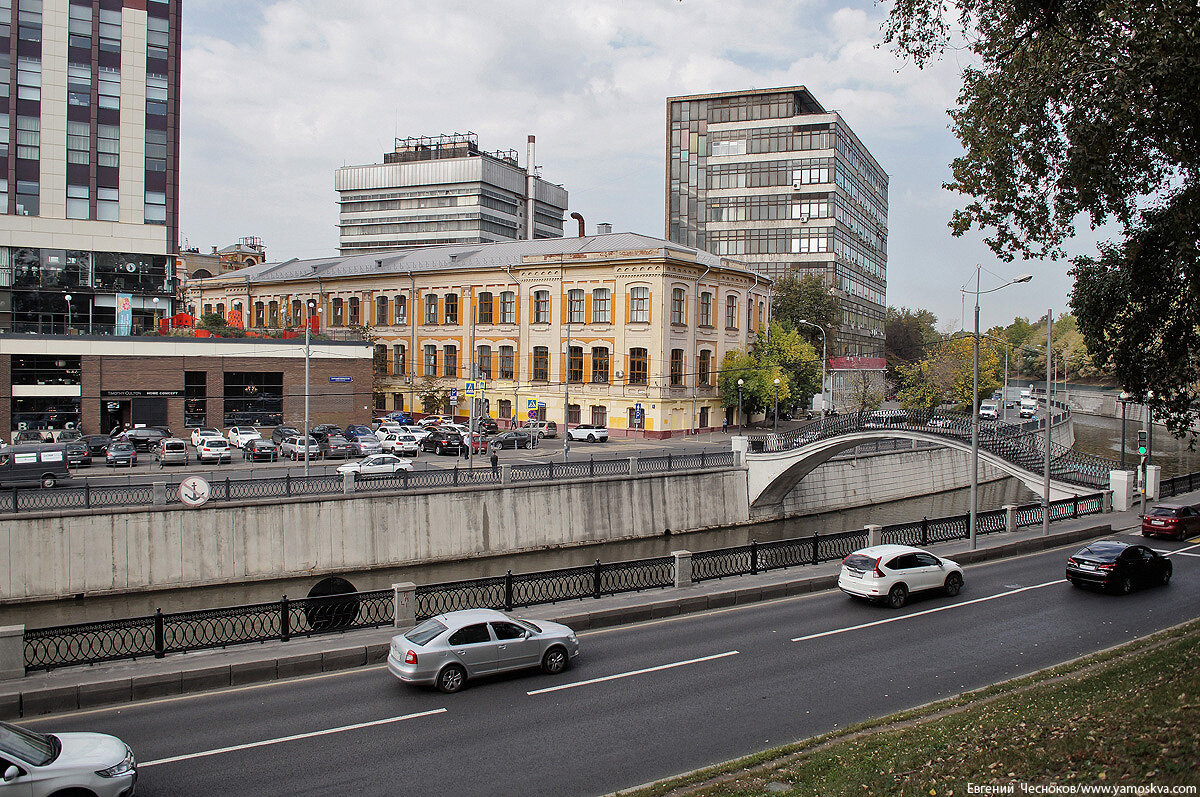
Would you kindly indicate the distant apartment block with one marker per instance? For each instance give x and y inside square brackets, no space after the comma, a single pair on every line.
[772,179]
[443,189]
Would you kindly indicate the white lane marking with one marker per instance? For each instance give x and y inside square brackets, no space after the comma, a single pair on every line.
[1184,550]
[282,739]
[927,611]
[1182,553]
[632,673]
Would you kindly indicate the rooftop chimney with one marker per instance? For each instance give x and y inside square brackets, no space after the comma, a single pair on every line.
[603,228]
[579,219]
[529,192]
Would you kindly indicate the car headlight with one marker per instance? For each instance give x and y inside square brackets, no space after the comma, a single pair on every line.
[127,765]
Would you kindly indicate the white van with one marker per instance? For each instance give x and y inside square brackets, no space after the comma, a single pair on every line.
[989,410]
[1029,407]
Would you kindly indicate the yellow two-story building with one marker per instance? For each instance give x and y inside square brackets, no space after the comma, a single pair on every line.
[621,329]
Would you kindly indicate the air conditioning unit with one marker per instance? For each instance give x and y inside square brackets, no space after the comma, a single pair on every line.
[803,217]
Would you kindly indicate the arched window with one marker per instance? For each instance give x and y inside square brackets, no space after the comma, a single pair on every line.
[639,305]
[679,306]
[575,306]
[541,307]
[508,308]
[731,312]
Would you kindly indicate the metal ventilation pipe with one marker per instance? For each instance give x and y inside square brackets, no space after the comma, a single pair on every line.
[579,219]
[529,191]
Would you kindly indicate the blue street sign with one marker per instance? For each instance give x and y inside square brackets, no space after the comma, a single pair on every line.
[470,388]
[637,411]
[340,379]
[453,393]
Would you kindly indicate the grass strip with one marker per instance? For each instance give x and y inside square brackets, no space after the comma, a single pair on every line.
[1119,720]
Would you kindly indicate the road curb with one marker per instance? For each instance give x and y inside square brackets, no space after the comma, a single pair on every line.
[188,676]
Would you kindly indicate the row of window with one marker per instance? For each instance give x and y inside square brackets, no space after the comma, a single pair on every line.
[444,309]
[444,362]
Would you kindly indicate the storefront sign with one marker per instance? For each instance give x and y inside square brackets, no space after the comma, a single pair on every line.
[110,394]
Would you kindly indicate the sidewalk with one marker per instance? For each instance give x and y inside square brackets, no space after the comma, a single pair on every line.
[81,687]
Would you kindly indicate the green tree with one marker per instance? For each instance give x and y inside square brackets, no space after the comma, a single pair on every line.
[808,299]
[907,336]
[781,354]
[946,375]
[1092,109]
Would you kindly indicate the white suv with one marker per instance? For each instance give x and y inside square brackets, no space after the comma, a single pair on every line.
[240,435]
[214,449]
[890,573]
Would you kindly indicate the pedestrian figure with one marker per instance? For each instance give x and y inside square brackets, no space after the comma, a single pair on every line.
[495,461]
[724,425]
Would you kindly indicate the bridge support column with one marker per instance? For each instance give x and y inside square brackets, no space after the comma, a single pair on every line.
[1010,518]
[874,535]
[1123,487]
[683,568]
[404,604]
[12,652]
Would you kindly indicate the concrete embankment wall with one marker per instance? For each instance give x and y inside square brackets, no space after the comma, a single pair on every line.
[43,556]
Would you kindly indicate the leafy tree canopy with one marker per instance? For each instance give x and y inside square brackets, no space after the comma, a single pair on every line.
[945,374]
[907,336]
[1086,108]
[807,299]
[782,355]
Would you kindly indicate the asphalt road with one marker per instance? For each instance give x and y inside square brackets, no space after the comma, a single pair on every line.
[642,702]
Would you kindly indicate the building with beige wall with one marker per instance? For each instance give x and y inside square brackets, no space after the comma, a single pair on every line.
[589,328]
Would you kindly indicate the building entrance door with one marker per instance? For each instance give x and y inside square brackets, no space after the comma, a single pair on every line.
[150,412]
[115,415]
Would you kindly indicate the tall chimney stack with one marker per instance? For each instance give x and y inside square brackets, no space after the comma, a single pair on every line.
[529,191]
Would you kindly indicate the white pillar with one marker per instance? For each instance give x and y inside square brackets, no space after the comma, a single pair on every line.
[1153,478]
[12,652]
[683,568]
[874,535]
[404,604]
[348,483]
[1010,517]
[1123,487]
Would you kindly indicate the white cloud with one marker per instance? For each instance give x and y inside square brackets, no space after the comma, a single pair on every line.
[278,95]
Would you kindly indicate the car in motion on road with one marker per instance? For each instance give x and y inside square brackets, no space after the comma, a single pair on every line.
[39,764]
[1118,566]
[890,573]
[1171,520]
[513,438]
[78,454]
[376,465]
[446,650]
[97,444]
[589,432]
[120,453]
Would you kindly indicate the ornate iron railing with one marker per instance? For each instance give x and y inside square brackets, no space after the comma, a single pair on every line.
[159,634]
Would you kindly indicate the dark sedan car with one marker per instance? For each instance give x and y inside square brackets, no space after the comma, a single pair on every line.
[260,451]
[333,445]
[1118,566]
[281,433]
[78,454]
[1171,520]
[97,444]
[514,438]
[145,438]
[443,441]
[120,452]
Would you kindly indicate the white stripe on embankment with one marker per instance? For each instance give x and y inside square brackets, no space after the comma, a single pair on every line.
[282,739]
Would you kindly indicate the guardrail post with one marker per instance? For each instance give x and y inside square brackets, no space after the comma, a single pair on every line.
[158,493]
[1010,518]
[874,535]
[633,471]
[1106,501]
[550,470]
[591,465]
[404,478]
[285,619]
[404,604]
[506,474]
[683,568]
[816,554]
[287,484]
[1075,506]
[703,458]
[87,496]
[596,580]
[455,475]
[228,491]
[668,462]
[347,483]
[754,557]
[508,591]
[160,635]
[925,531]
[12,652]
[15,506]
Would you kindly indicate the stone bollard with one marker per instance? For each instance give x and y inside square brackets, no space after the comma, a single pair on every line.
[1123,487]
[506,474]
[404,604]
[158,493]
[12,652]
[633,466]
[874,535]
[1010,518]
[348,483]
[683,568]
[1106,503]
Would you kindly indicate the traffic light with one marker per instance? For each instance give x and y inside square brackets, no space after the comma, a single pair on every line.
[1142,447]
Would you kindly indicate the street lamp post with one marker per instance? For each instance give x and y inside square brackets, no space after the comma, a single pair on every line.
[823,360]
[1046,463]
[68,299]
[1124,399]
[775,429]
[309,305]
[974,402]
[740,383]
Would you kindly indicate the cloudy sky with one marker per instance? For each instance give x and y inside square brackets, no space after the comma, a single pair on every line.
[276,95]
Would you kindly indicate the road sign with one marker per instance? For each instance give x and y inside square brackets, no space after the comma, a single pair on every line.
[340,379]
[541,405]
[194,491]
[531,404]
[454,394]
[470,391]
[532,415]
[637,411]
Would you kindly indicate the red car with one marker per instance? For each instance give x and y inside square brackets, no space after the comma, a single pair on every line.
[1171,520]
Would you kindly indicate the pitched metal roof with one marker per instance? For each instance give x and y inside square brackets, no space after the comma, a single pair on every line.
[464,256]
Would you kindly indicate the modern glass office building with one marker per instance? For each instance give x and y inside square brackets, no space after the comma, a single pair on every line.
[89,103]
[770,178]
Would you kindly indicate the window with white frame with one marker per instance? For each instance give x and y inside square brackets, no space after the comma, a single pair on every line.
[639,305]
[731,312]
[679,306]
[706,303]
[541,307]
[508,307]
[431,303]
[575,306]
[601,306]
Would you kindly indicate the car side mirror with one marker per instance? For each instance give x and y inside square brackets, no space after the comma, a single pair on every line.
[11,774]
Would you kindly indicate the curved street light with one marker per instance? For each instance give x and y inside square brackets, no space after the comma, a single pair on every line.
[823,361]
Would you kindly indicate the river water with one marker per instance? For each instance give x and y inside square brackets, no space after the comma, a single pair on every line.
[1093,435]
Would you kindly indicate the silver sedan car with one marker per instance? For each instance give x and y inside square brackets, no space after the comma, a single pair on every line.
[37,764]
[448,649]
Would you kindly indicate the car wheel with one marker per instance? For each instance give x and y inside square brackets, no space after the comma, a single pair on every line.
[451,679]
[954,583]
[540,435]
[897,596]
[49,481]
[1124,586]
[555,660]
[1165,577]
[591,438]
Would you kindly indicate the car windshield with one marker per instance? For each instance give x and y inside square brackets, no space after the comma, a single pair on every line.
[1165,511]
[1103,551]
[425,632]
[858,561]
[35,748]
